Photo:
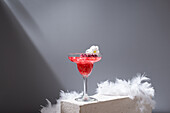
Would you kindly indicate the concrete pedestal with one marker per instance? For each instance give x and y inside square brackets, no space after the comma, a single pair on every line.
[105,104]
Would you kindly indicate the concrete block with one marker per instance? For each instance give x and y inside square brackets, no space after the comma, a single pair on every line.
[105,104]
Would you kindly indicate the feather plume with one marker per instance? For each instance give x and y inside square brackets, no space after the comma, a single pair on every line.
[56,107]
[49,108]
[138,87]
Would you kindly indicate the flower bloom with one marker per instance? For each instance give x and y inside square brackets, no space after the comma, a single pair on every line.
[93,50]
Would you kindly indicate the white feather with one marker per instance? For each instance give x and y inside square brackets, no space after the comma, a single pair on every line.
[49,108]
[135,88]
[56,107]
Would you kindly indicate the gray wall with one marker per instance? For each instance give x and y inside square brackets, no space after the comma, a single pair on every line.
[37,35]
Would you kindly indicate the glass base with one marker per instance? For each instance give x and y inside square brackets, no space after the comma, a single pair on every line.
[85,98]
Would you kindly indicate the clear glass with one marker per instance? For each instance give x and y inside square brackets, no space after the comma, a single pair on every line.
[85,66]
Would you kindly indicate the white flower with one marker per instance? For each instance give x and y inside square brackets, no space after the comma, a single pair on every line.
[93,50]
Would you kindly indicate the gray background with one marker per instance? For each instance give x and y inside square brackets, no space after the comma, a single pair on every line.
[37,35]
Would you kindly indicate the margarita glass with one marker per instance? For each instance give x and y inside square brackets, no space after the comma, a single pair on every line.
[84,65]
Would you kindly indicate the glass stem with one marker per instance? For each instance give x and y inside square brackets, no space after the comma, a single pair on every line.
[85,85]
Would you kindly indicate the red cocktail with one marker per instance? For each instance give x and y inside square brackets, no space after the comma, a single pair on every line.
[85,65]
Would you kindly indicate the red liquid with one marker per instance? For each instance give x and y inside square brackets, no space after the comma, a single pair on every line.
[85,64]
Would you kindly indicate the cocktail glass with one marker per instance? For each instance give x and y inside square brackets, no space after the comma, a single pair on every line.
[85,65]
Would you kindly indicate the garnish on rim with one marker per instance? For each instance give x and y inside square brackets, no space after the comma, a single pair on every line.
[93,50]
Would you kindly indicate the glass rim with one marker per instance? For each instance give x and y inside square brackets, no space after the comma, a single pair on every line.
[99,55]
[81,53]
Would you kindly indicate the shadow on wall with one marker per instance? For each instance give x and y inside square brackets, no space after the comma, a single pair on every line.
[25,78]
